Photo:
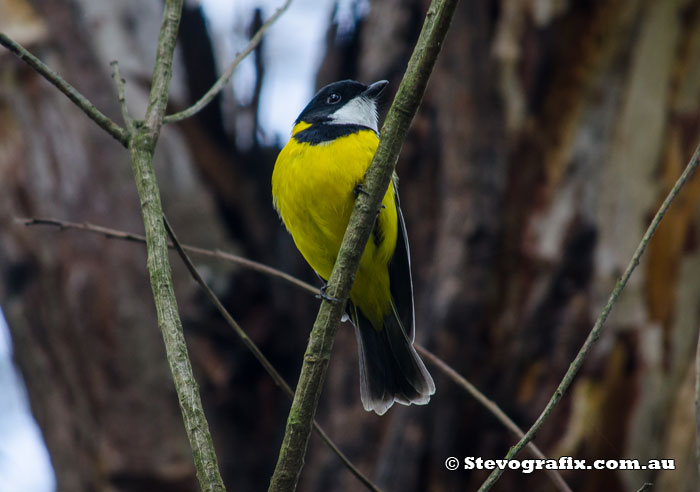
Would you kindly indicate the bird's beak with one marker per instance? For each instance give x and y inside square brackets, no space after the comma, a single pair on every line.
[374,90]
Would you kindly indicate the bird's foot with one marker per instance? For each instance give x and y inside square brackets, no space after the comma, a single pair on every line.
[322,295]
[360,188]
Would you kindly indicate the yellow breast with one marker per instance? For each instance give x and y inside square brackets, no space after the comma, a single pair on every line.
[313,189]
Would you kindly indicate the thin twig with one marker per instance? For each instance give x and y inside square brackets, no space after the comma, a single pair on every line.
[226,76]
[364,214]
[250,345]
[121,93]
[138,238]
[273,272]
[492,407]
[646,486]
[595,332]
[71,92]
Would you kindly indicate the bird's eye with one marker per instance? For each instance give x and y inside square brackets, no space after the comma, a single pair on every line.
[334,98]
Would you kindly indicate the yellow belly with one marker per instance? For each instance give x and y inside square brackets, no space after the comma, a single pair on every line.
[313,191]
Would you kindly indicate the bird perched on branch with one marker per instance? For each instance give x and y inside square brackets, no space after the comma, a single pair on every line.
[314,185]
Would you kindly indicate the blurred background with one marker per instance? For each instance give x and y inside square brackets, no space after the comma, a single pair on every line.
[550,132]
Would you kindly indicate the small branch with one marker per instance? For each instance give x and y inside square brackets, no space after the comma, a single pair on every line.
[318,351]
[250,345]
[495,410]
[121,93]
[138,238]
[226,76]
[78,99]
[595,332]
[646,486]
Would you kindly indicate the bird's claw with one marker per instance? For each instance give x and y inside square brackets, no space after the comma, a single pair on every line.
[360,188]
[326,297]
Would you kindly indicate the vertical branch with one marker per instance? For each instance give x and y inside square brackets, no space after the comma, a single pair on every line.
[142,147]
[317,356]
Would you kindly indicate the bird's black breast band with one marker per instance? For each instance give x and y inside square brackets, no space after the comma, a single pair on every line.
[325,132]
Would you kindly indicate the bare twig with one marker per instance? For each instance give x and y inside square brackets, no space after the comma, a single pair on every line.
[646,486]
[250,345]
[226,76]
[78,99]
[595,332]
[495,410]
[318,351]
[138,238]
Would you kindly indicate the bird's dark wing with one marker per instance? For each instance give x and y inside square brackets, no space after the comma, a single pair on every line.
[400,280]
[390,368]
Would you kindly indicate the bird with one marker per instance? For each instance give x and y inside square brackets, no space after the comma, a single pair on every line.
[315,181]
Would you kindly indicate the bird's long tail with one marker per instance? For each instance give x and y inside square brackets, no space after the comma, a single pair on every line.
[390,368]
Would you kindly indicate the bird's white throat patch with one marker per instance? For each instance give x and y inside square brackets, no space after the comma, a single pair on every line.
[358,111]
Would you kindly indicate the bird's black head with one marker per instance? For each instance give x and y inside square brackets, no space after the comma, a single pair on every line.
[344,102]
